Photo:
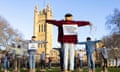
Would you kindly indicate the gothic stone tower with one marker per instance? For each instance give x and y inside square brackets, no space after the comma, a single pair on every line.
[42,30]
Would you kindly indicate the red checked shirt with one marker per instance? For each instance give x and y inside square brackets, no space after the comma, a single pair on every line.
[62,38]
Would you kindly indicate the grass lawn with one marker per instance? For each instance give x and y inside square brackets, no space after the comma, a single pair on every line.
[57,69]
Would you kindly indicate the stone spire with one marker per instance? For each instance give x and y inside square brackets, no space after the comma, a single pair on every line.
[35,18]
[48,7]
[36,8]
[48,10]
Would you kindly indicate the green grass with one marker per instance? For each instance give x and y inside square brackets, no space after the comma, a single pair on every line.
[114,69]
[57,69]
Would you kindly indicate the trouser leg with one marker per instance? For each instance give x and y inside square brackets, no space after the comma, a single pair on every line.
[71,49]
[65,56]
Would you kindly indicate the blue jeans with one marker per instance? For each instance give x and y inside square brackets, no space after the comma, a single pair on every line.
[81,63]
[6,64]
[90,60]
[42,64]
[32,60]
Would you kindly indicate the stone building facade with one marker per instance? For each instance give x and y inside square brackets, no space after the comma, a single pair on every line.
[42,30]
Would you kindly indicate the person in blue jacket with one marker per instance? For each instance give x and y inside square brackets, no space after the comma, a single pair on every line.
[90,53]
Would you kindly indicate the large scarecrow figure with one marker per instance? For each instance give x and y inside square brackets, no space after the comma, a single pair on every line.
[67,36]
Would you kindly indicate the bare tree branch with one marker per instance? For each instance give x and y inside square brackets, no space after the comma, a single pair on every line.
[7,34]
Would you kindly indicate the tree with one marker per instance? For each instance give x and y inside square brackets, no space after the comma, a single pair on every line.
[8,35]
[113,40]
[113,21]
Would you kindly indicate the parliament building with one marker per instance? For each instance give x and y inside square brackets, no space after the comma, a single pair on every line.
[42,30]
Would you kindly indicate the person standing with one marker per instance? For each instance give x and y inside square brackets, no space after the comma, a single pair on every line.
[24,61]
[32,47]
[8,60]
[67,34]
[49,62]
[5,61]
[105,57]
[80,57]
[90,53]
[18,56]
[42,61]
[2,61]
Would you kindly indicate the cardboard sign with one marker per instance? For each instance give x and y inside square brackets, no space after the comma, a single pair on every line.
[70,29]
[33,46]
